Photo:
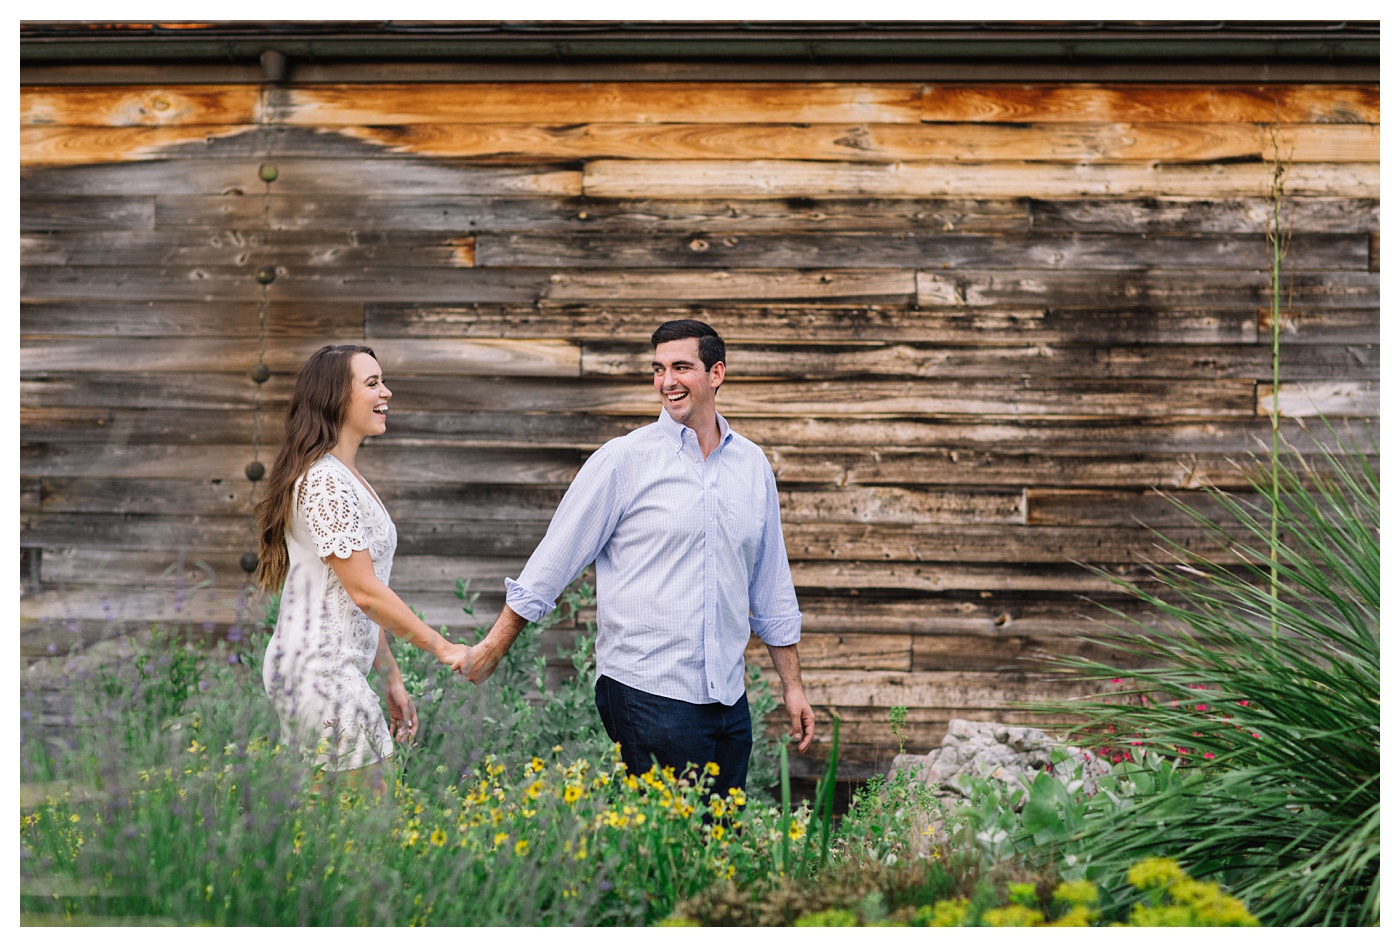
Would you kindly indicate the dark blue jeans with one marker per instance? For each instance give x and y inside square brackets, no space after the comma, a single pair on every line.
[677,733]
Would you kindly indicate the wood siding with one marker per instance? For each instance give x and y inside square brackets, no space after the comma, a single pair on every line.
[983,331]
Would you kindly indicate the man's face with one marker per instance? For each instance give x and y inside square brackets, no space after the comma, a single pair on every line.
[687,391]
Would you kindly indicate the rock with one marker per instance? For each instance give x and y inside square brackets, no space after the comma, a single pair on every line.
[993,751]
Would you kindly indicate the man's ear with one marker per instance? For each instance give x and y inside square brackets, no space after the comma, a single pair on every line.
[716,375]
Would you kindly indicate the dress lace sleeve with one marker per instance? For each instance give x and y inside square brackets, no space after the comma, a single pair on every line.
[328,503]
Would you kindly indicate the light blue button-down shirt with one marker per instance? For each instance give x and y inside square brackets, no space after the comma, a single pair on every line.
[689,554]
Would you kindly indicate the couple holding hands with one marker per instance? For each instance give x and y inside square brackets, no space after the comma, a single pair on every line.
[680,517]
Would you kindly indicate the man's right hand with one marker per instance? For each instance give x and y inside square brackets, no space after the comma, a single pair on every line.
[480,663]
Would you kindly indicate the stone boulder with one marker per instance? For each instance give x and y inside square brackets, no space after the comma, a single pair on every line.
[994,751]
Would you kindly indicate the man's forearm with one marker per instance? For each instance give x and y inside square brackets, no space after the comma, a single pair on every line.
[503,633]
[803,722]
[786,664]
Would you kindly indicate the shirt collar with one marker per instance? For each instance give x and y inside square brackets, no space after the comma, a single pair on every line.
[675,432]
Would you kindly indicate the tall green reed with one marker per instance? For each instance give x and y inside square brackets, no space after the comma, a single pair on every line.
[1265,680]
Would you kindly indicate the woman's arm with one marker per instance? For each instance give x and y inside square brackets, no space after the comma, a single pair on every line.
[403,716]
[388,611]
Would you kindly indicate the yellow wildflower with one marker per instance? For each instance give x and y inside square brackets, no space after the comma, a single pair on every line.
[1076,892]
[949,913]
[1013,915]
[500,837]
[1155,873]
[717,832]
[572,794]
[522,847]
[438,838]
[711,769]
[796,830]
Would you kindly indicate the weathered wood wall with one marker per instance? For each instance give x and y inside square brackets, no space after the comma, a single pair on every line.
[975,327]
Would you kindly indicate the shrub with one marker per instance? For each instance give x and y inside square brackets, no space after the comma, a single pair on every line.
[1266,683]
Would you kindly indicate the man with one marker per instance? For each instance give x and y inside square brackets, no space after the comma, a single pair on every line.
[681,517]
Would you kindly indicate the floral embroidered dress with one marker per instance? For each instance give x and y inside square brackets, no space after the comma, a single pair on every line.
[324,646]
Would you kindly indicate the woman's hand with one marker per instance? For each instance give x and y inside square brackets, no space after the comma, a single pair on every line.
[403,716]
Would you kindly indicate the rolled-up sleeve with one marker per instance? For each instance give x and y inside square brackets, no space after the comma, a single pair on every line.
[772,599]
[586,517]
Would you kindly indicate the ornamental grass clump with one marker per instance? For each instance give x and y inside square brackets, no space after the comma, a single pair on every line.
[1265,683]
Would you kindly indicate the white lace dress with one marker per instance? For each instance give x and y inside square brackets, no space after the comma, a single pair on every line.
[324,646]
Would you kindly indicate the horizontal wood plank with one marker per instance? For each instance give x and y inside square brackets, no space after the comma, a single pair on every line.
[984,616]
[495,357]
[298,176]
[672,285]
[99,423]
[1310,328]
[138,105]
[897,505]
[58,145]
[867,141]
[1148,290]
[408,503]
[97,247]
[1051,507]
[1342,399]
[225,284]
[826,322]
[988,361]
[825,651]
[1089,102]
[913,251]
[226,463]
[1038,397]
[1227,215]
[991,544]
[456,214]
[570,103]
[803,179]
[1000,468]
[349,250]
[108,319]
[81,213]
[950,689]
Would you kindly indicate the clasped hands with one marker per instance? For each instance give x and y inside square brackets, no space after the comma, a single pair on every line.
[474,662]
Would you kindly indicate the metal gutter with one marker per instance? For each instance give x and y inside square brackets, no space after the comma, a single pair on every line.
[330,51]
[545,42]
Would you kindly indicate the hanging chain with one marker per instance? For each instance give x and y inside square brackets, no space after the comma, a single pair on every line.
[265,274]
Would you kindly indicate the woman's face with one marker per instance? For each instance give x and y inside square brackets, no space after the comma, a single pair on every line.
[367,410]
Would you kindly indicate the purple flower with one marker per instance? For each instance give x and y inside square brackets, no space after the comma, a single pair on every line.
[235,633]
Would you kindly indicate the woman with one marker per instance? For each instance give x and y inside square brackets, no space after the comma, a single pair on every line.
[326,541]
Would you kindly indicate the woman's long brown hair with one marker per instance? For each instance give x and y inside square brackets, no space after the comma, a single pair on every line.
[314,416]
